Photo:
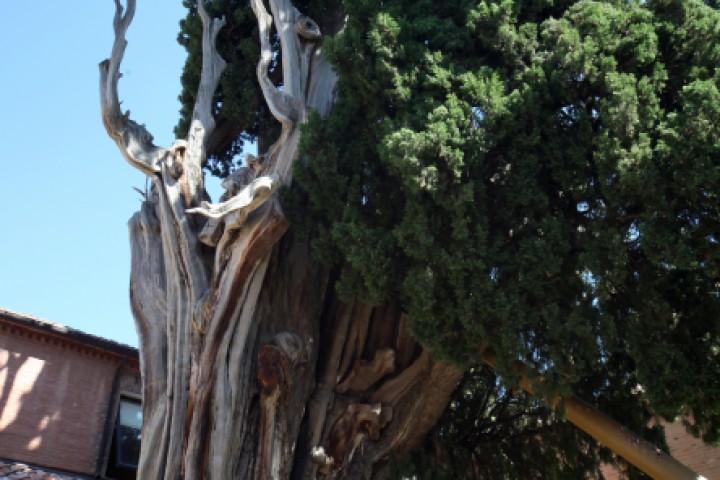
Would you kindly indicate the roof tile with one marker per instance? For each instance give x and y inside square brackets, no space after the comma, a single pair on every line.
[10,470]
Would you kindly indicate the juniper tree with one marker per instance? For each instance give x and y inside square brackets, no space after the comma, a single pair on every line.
[530,182]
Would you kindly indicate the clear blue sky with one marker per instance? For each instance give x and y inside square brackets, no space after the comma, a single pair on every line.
[64,252]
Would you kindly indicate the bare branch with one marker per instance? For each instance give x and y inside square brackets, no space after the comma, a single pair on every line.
[203,123]
[298,36]
[298,39]
[285,108]
[133,139]
[121,22]
[250,198]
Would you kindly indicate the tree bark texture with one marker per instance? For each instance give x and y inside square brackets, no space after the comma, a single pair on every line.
[252,368]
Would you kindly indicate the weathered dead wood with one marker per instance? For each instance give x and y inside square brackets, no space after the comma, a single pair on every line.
[173,341]
[276,363]
[324,395]
[133,139]
[148,303]
[414,394]
[244,202]
[202,122]
[355,344]
[298,37]
[231,310]
[358,422]
[366,374]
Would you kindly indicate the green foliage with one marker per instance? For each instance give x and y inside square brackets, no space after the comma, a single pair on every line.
[540,176]
[491,432]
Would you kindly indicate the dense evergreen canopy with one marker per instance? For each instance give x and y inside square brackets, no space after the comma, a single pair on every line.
[540,177]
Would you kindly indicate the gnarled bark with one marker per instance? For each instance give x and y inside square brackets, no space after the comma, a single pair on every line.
[251,366]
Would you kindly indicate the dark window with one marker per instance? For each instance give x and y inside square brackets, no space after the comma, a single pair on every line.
[127,433]
[125,448]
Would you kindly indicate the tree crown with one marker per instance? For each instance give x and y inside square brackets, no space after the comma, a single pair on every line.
[540,178]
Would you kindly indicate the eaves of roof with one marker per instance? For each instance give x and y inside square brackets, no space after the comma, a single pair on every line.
[66,333]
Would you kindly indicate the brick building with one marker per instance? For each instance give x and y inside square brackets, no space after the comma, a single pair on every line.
[69,402]
[704,459]
[692,452]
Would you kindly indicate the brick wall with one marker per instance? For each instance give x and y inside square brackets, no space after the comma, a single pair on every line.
[54,397]
[701,458]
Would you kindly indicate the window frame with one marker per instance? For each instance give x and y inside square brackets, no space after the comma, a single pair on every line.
[119,463]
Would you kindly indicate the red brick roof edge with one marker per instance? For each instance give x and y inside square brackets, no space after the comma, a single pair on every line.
[37,324]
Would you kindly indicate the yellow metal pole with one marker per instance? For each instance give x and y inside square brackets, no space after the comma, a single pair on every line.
[641,453]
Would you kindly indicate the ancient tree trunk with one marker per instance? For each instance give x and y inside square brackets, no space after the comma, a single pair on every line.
[251,366]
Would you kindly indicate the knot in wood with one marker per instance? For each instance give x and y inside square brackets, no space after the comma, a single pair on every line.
[292,346]
[307,29]
[273,367]
[176,158]
[358,422]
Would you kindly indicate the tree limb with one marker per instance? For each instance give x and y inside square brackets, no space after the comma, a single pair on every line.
[249,198]
[283,106]
[133,140]
[202,123]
